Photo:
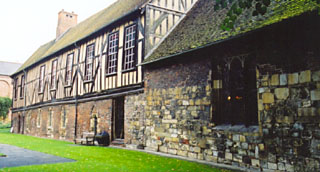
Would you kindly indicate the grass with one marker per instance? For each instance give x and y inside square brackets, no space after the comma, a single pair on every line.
[92,158]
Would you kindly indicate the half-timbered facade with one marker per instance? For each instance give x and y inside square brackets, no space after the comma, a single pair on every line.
[87,78]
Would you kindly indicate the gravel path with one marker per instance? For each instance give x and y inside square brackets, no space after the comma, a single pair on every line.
[16,156]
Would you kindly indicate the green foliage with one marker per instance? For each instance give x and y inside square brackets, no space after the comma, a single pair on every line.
[3,126]
[93,158]
[5,104]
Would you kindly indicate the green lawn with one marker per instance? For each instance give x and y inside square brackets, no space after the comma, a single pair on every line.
[92,158]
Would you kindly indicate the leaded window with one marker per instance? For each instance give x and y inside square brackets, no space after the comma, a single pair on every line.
[112,59]
[69,69]
[15,88]
[89,62]
[54,74]
[235,92]
[22,87]
[41,78]
[130,48]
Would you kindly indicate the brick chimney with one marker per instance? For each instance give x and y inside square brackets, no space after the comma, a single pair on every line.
[66,20]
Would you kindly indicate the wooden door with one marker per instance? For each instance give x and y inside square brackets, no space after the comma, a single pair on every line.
[118,118]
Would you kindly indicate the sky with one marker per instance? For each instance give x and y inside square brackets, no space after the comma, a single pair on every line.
[28,24]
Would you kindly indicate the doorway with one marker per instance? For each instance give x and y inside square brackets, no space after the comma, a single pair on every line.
[118,118]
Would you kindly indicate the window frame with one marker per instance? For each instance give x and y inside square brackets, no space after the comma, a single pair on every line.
[114,54]
[86,75]
[39,118]
[68,82]
[64,118]
[225,97]
[54,71]
[50,119]
[22,85]
[15,88]
[134,49]
[42,78]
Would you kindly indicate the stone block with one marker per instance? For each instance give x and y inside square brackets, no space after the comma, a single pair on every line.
[283,79]
[274,80]
[272,166]
[281,93]
[192,155]
[228,156]
[185,147]
[172,151]
[203,143]
[289,167]
[305,76]
[200,156]
[172,121]
[236,137]
[242,138]
[182,153]
[268,98]
[215,153]
[281,166]
[244,145]
[293,78]
[316,76]
[163,149]
[197,149]
[255,162]
[185,103]
[315,95]
[261,147]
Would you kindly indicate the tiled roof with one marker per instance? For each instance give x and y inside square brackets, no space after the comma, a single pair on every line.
[8,68]
[84,29]
[208,23]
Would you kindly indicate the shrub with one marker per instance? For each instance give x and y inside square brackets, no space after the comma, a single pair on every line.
[5,104]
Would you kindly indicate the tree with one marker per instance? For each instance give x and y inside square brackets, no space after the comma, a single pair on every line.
[5,104]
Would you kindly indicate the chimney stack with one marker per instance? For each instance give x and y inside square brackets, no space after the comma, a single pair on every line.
[66,20]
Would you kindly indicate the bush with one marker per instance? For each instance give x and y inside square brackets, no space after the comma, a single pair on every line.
[5,104]
[3,126]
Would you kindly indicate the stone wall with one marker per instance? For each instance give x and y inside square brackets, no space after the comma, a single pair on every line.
[179,118]
[289,113]
[134,120]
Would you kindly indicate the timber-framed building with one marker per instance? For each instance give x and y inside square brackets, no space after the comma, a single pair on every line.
[89,71]
[233,82]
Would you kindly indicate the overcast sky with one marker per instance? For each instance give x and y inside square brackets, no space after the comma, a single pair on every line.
[27,24]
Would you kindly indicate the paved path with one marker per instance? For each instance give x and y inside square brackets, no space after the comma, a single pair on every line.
[21,157]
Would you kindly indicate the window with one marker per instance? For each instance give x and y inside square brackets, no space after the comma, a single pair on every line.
[235,92]
[69,69]
[22,87]
[89,62]
[54,74]
[15,88]
[129,48]
[50,119]
[39,118]
[41,79]
[63,118]
[112,59]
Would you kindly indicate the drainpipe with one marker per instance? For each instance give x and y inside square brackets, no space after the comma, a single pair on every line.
[76,98]
[24,99]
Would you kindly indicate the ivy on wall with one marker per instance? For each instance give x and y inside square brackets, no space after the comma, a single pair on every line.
[5,104]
